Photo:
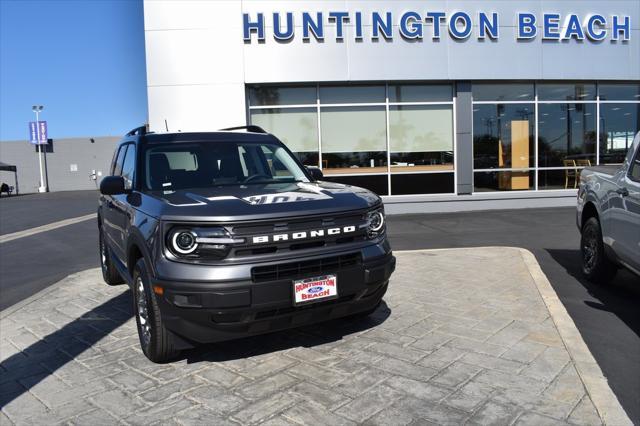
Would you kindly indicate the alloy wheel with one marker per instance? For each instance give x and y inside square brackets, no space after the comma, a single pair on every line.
[143,313]
[589,249]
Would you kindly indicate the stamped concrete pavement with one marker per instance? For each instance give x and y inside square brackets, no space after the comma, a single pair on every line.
[464,337]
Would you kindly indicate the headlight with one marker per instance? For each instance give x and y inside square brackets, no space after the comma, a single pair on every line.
[375,223]
[184,241]
[200,242]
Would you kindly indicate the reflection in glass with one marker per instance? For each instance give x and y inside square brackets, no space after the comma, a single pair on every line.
[567,132]
[351,94]
[619,92]
[567,92]
[420,93]
[296,127]
[619,124]
[560,179]
[421,138]
[424,183]
[354,139]
[503,136]
[503,92]
[272,95]
[379,184]
[503,181]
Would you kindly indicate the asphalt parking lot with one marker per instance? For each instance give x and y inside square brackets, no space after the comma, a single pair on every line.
[607,316]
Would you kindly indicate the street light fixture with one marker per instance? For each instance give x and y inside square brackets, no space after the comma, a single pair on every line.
[38,109]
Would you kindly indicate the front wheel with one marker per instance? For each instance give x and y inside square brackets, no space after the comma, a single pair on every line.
[595,264]
[155,340]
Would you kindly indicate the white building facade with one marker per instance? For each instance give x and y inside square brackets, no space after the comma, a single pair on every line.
[435,105]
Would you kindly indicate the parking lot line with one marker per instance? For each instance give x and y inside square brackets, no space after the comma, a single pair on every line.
[48,227]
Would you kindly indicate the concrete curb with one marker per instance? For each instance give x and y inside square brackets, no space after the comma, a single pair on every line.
[603,398]
[596,385]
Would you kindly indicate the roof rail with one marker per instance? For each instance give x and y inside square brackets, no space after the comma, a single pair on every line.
[142,130]
[249,128]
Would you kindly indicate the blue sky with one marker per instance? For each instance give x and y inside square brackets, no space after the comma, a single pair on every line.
[82,59]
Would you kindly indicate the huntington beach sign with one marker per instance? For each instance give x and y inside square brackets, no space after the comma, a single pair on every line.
[412,25]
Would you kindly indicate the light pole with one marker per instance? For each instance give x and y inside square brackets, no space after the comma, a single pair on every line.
[38,109]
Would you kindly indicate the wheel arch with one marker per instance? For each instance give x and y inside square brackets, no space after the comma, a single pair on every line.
[590,210]
[138,249]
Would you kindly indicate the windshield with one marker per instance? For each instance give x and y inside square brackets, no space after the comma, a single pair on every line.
[207,164]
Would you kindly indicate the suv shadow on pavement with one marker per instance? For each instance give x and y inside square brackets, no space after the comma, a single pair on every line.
[307,337]
[23,370]
[621,297]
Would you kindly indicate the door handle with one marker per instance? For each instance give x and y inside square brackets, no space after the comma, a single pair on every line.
[623,191]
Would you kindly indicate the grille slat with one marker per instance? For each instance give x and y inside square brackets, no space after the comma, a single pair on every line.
[293,270]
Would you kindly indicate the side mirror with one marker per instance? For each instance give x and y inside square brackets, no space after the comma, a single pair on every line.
[112,185]
[315,173]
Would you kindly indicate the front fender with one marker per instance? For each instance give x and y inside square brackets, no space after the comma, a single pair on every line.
[143,234]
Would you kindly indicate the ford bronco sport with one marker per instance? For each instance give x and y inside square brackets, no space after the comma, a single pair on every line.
[225,234]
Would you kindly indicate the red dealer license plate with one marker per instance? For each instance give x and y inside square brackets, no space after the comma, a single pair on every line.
[315,289]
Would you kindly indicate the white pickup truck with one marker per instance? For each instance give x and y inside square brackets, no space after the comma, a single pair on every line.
[608,217]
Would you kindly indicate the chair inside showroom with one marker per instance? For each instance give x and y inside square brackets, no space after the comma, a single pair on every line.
[570,173]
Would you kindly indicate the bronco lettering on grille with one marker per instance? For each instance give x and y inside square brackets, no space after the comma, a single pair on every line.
[301,235]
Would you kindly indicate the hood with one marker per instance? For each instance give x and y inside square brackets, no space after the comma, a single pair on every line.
[261,201]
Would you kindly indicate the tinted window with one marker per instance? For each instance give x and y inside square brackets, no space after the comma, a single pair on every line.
[503,92]
[566,92]
[128,167]
[117,167]
[620,92]
[634,170]
[271,95]
[420,93]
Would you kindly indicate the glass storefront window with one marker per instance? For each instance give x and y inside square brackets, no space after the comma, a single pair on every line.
[503,92]
[619,124]
[421,138]
[296,127]
[352,94]
[354,140]
[567,92]
[619,92]
[422,183]
[503,181]
[566,133]
[272,95]
[560,179]
[503,136]
[420,93]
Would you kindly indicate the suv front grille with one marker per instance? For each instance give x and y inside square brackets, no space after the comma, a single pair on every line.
[305,268]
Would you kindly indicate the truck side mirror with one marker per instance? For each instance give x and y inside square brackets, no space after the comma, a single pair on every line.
[112,185]
[315,173]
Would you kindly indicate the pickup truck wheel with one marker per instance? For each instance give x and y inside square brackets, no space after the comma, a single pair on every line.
[155,340]
[109,272]
[595,264]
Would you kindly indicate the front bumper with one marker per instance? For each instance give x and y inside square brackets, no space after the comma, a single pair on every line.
[204,312]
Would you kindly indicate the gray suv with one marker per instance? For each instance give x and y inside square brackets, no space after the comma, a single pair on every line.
[225,234]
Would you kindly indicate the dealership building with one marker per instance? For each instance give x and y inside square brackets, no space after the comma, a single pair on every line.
[434,105]
[465,103]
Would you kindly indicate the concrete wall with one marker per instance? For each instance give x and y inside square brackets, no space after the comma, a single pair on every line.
[81,152]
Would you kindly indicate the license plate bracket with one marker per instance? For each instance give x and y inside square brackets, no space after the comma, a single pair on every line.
[315,289]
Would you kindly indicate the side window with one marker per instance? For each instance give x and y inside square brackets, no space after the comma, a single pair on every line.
[128,167]
[634,167]
[117,166]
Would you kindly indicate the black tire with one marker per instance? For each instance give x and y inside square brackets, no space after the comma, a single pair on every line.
[155,340]
[595,264]
[110,274]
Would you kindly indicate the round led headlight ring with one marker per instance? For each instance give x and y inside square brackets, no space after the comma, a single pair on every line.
[184,242]
[377,221]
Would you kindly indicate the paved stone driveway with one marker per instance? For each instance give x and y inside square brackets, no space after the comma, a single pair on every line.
[464,337]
